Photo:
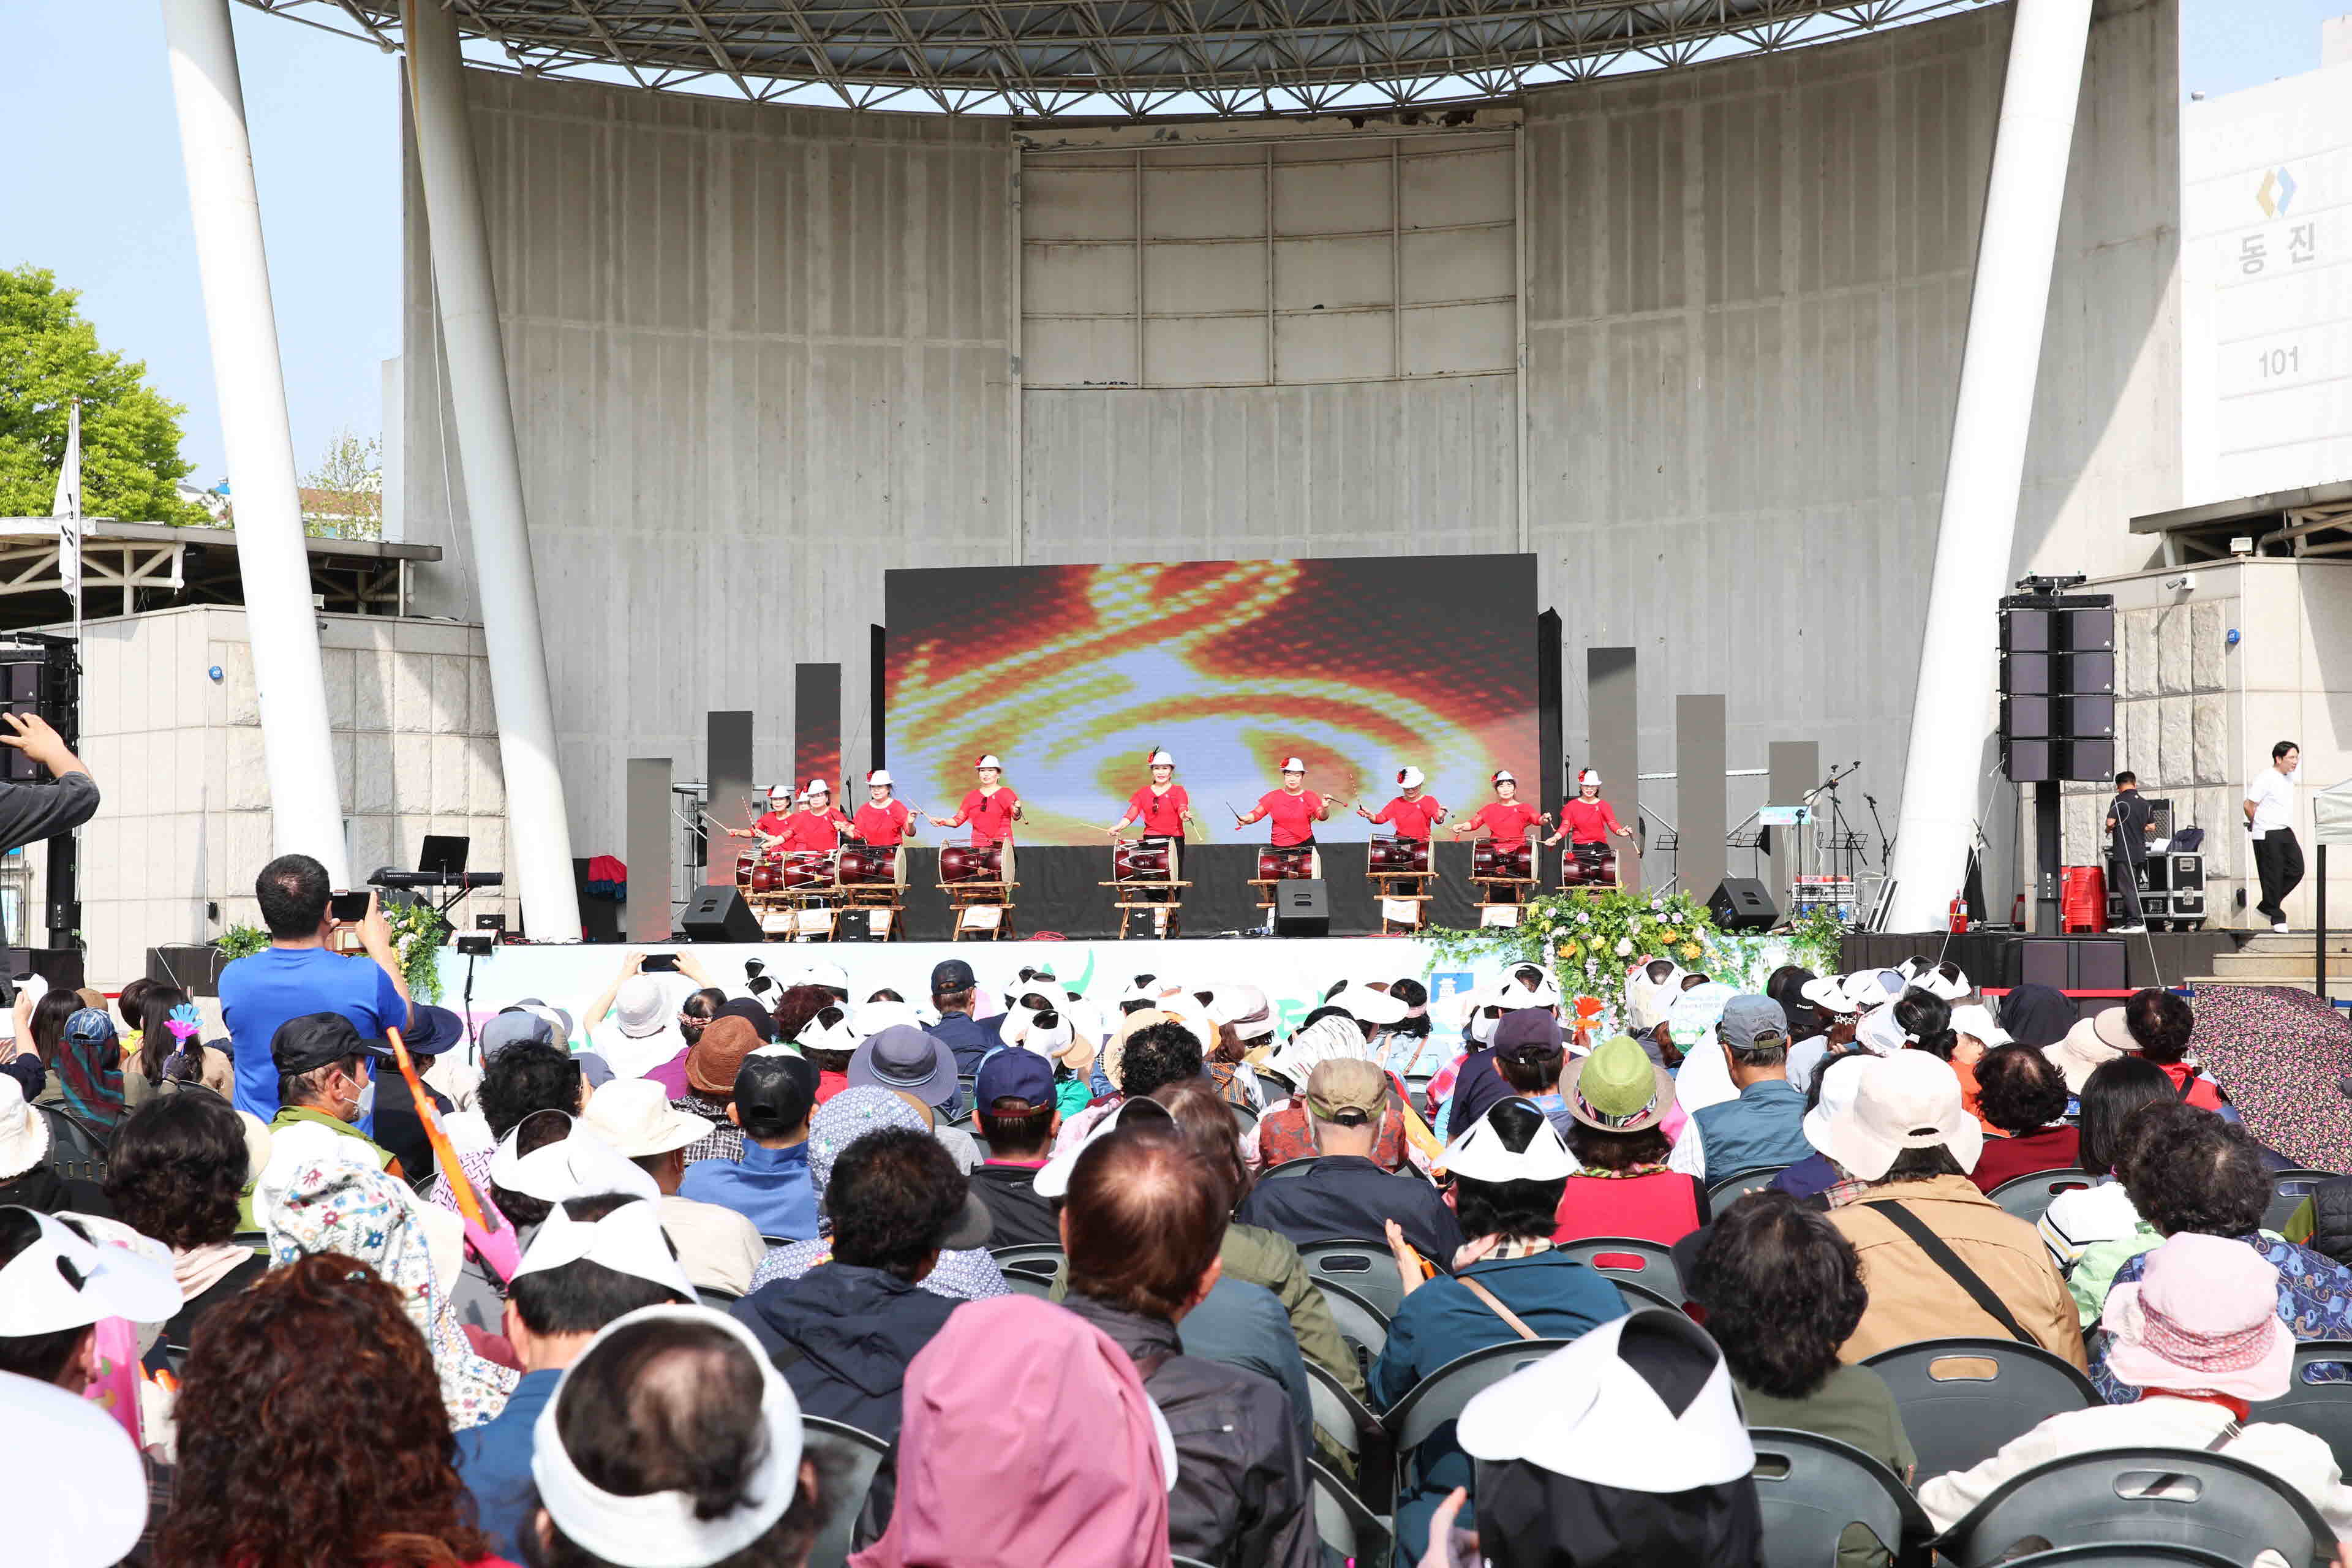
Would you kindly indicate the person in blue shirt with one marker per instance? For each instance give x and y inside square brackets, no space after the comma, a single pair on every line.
[296,975]
[1765,1126]
[768,1182]
[597,1258]
[1509,1170]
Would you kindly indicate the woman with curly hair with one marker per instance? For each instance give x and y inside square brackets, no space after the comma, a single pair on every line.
[1783,1290]
[175,1173]
[312,1434]
[2023,1095]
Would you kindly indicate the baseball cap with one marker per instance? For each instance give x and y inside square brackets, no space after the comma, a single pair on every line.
[1347,1086]
[776,1090]
[90,1025]
[515,1028]
[557,1018]
[63,1281]
[954,974]
[311,1041]
[1907,1100]
[1013,1075]
[1750,1019]
[1052,1178]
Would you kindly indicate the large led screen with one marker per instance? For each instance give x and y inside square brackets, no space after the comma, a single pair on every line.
[1073,673]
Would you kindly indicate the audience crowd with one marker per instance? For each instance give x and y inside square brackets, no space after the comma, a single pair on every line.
[1091,1285]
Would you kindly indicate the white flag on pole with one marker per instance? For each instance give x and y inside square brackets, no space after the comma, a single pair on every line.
[67,509]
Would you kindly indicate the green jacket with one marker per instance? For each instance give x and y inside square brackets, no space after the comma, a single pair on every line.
[1268,1258]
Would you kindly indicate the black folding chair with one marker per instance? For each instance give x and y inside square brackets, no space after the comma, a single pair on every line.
[1360,1434]
[1366,1268]
[1741,1182]
[1361,1325]
[1811,1488]
[2135,1554]
[2180,1497]
[1628,1258]
[1042,1258]
[857,1455]
[2321,1409]
[1437,1400]
[1344,1524]
[2288,1189]
[2029,1197]
[1962,1398]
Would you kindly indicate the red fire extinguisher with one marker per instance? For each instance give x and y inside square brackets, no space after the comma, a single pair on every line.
[1959,923]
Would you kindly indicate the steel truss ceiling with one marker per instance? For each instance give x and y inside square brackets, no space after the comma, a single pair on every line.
[1116,58]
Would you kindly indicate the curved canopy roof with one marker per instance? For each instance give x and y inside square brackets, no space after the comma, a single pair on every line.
[1117,58]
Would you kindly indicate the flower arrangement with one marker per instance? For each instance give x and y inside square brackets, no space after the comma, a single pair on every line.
[1590,943]
[241,942]
[418,934]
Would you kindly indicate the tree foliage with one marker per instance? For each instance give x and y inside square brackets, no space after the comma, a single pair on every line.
[343,497]
[131,460]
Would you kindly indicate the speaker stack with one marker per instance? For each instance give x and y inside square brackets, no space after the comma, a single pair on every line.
[2058,687]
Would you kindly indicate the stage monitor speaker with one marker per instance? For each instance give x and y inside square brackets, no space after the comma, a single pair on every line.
[716,912]
[1302,907]
[2067,963]
[855,925]
[1740,903]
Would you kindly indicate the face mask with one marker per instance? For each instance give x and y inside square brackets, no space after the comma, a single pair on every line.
[365,1108]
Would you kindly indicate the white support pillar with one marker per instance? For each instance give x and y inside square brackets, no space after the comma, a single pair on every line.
[306,809]
[536,824]
[1957,661]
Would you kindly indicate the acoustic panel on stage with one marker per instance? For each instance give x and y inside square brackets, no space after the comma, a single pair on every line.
[1073,673]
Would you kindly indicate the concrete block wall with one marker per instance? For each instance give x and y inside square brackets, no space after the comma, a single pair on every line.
[184,823]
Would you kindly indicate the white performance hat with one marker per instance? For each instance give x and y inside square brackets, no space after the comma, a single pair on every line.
[1587,1412]
[1367,1005]
[871,1018]
[628,1240]
[828,974]
[839,1035]
[879,777]
[1946,981]
[1825,993]
[1161,759]
[1408,778]
[574,1166]
[1504,775]
[1483,1156]
[36,1296]
[1589,776]
[780,791]
[815,787]
[1052,1178]
[660,1529]
[988,760]
[79,1479]
[1293,765]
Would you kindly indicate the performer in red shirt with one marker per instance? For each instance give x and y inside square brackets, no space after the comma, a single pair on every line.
[1161,807]
[1413,812]
[1587,821]
[1294,809]
[775,823]
[818,825]
[991,808]
[884,819]
[1507,817]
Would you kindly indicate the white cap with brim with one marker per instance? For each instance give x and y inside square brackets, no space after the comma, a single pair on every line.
[873,1017]
[1052,1178]
[76,1475]
[1483,1156]
[1879,1032]
[1946,987]
[1977,1022]
[1586,1411]
[574,1166]
[636,1116]
[36,1296]
[1367,1005]
[1827,994]
[629,1240]
[1910,1100]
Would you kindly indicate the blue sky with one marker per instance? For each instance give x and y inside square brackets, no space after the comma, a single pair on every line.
[93,187]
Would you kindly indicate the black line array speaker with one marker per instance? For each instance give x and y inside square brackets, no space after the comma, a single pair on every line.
[2057,686]
[1302,907]
[716,912]
[1740,903]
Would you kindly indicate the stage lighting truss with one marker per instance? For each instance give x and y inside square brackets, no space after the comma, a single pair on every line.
[1117,59]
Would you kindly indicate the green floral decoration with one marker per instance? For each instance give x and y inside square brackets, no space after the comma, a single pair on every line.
[1816,941]
[1590,941]
[418,934]
[241,942]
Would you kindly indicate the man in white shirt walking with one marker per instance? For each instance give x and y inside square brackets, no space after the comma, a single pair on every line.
[2270,818]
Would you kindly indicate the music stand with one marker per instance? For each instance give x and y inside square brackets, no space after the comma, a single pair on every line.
[444,854]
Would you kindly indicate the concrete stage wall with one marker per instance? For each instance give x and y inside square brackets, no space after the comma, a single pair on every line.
[759,354]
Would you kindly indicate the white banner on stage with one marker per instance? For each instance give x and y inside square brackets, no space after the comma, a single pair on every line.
[1293,972]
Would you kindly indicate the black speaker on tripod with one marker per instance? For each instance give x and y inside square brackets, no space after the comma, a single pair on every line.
[717,913]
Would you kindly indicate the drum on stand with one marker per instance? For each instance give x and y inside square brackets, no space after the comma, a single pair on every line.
[747,862]
[873,866]
[768,871]
[1397,857]
[960,863]
[1143,860]
[1288,863]
[805,868]
[1491,862]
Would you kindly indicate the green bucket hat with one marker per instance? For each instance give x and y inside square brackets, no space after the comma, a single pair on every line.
[1617,1088]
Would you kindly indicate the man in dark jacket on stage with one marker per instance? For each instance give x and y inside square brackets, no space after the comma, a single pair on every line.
[843,1334]
[1142,1224]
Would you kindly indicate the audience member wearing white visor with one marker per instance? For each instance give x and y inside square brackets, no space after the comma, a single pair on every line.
[671,1407]
[1507,1282]
[599,1255]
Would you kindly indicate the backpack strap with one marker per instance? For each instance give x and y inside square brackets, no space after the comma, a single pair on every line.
[1944,1257]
